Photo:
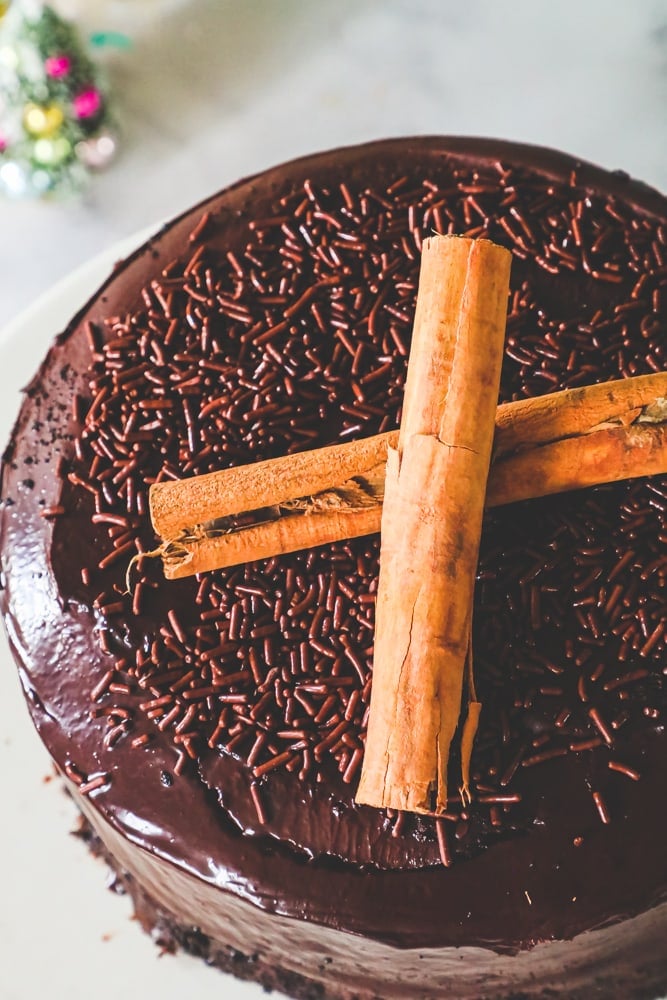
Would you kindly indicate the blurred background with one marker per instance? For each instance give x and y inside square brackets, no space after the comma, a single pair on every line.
[207,91]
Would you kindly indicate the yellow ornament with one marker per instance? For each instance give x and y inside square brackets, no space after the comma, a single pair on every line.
[42,121]
[4,7]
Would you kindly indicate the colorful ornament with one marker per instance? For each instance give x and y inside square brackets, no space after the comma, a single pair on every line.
[9,58]
[57,66]
[14,179]
[87,103]
[52,152]
[42,181]
[55,125]
[98,152]
[42,121]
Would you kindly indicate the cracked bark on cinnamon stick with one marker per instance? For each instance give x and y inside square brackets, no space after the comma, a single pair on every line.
[548,444]
[435,489]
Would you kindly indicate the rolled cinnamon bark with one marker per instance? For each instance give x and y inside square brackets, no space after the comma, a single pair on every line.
[549,444]
[435,488]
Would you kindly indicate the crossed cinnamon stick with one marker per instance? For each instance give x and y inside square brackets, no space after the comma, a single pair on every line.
[426,487]
[549,444]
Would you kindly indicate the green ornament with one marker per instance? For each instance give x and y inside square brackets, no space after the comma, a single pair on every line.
[52,152]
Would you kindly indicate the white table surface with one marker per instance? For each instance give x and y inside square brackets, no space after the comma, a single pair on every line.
[216,89]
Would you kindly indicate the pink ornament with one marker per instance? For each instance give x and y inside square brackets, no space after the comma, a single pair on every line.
[87,103]
[57,66]
[3,143]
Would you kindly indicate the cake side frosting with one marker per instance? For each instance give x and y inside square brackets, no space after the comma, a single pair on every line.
[534,859]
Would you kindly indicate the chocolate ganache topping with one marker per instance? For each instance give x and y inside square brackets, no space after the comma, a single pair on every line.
[219,722]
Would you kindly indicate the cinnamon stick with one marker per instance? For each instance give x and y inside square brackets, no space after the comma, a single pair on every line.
[548,444]
[262,485]
[606,455]
[571,412]
[431,523]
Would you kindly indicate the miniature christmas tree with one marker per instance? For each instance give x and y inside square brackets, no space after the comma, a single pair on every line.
[55,122]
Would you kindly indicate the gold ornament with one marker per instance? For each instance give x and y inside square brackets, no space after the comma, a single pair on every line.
[4,7]
[42,121]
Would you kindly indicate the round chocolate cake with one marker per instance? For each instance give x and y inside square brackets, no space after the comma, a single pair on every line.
[211,729]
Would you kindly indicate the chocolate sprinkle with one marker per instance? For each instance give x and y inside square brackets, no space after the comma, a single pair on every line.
[299,339]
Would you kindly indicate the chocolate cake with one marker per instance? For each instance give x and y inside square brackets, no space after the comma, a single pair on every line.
[211,729]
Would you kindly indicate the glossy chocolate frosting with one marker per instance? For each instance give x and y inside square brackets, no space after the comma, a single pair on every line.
[553,871]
